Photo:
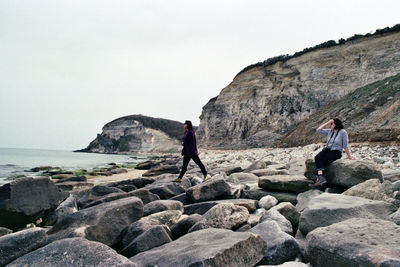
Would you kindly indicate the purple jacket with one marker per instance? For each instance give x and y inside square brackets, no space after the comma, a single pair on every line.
[189,144]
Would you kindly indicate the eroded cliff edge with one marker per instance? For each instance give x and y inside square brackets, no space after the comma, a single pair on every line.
[267,100]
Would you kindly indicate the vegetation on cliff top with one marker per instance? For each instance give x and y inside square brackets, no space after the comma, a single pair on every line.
[330,43]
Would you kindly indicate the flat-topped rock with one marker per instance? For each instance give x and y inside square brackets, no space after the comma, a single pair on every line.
[291,183]
[327,209]
[355,242]
[208,247]
[346,173]
[73,252]
[161,205]
[214,188]
[258,193]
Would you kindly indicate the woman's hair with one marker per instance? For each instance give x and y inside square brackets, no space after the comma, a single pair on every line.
[338,124]
[189,125]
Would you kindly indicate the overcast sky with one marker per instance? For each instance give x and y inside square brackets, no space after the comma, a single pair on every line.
[69,67]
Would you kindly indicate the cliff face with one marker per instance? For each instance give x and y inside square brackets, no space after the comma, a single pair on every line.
[137,133]
[370,113]
[265,101]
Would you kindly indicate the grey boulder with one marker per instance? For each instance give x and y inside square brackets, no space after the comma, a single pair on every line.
[214,188]
[290,183]
[274,215]
[347,173]
[327,209]
[97,192]
[73,252]
[280,245]
[289,212]
[154,237]
[102,223]
[15,245]
[355,242]
[26,200]
[145,195]
[208,247]
[161,205]
[183,225]
[225,216]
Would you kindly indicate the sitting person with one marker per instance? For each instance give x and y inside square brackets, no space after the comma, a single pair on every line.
[337,140]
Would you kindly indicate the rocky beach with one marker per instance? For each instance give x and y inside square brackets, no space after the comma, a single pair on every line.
[256,210]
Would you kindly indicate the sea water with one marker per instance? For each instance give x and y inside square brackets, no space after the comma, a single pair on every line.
[15,161]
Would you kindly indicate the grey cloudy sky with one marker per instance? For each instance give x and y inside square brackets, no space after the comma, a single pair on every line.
[69,67]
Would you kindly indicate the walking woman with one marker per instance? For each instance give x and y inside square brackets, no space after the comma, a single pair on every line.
[337,140]
[189,152]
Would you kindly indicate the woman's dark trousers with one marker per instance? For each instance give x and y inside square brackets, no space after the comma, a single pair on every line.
[326,157]
[197,160]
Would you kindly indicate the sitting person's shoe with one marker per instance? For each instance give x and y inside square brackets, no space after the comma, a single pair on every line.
[319,183]
[205,178]
[178,180]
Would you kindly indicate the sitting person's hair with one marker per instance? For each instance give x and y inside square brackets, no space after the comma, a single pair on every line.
[338,124]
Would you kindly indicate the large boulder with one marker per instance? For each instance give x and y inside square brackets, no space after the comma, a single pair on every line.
[73,252]
[161,205]
[102,223]
[304,198]
[212,189]
[183,225]
[15,245]
[248,179]
[225,216]
[355,242]
[26,200]
[347,173]
[68,206]
[208,247]
[154,237]
[287,264]
[165,190]
[136,182]
[137,228]
[290,183]
[203,207]
[274,215]
[289,212]
[280,246]
[327,209]
[145,195]
[372,189]
[167,217]
[258,193]
[97,192]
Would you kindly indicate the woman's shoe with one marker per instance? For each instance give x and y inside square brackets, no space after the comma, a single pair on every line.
[319,183]
[205,178]
[178,180]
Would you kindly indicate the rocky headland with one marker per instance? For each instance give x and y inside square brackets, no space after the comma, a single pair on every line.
[138,134]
